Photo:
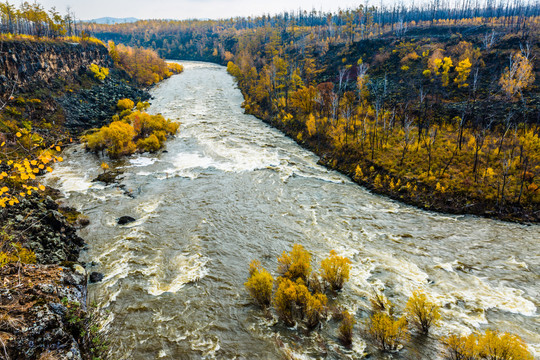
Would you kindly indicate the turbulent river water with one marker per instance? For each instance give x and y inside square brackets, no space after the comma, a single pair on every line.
[230,189]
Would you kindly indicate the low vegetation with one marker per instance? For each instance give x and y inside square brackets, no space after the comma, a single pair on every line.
[298,298]
[260,284]
[131,131]
[490,345]
[421,312]
[386,332]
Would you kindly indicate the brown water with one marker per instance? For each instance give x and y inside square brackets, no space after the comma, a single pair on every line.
[231,189]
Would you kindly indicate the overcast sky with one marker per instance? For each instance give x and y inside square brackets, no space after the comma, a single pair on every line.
[187,9]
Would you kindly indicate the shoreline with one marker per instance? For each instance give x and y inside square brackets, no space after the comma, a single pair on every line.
[442,204]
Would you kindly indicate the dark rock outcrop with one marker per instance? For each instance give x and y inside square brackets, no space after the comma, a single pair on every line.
[28,63]
[95,277]
[92,108]
[44,230]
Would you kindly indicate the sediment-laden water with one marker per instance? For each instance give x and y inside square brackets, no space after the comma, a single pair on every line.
[230,189]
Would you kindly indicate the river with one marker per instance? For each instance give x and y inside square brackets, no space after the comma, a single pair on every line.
[230,189]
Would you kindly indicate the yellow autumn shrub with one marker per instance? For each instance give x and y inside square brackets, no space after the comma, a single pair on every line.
[150,144]
[175,68]
[491,345]
[18,254]
[421,312]
[99,72]
[125,104]
[260,284]
[116,138]
[295,264]
[335,270]
[345,331]
[285,299]
[315,309]
[386,332]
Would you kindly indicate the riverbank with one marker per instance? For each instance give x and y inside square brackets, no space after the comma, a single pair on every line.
[381,181]
[37,298]
[51,96]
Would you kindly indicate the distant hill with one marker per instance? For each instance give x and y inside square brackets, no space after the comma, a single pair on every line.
[111,20]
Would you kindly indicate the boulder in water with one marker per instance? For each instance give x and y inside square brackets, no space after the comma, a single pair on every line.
[125,220]
[95,277]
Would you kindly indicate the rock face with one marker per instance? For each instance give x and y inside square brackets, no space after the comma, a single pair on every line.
[43,301]
[92,108]
[41,62]
[60,70]
[45,230]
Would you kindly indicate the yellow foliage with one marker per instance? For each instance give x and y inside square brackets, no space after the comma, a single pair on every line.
[463,69]
[147,131]
[143,65]
[311,125]
[19,254]
[117,138]
[387,333]
[150,144]
[491,345]
[335,270]
[295,264]
[175,68]
[315,308]
[99,72]
[234,70]
[518,76]
[285,300]
[125,104]
[421,312]
[358,172]
[260,284]
[461,348]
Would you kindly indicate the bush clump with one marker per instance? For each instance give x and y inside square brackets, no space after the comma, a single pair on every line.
[346,328]
[99,72]
[295,264]
[421,312]
[260,284]
[131,131]
[387,333]
[491,345]
[335,270]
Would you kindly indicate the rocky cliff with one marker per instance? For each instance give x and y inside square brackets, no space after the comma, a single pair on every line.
[27,63]
[57,73]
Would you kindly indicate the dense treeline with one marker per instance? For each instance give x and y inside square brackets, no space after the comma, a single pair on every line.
[143,65]
[216,40]
[434,105]
[451,124]
[33,19]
